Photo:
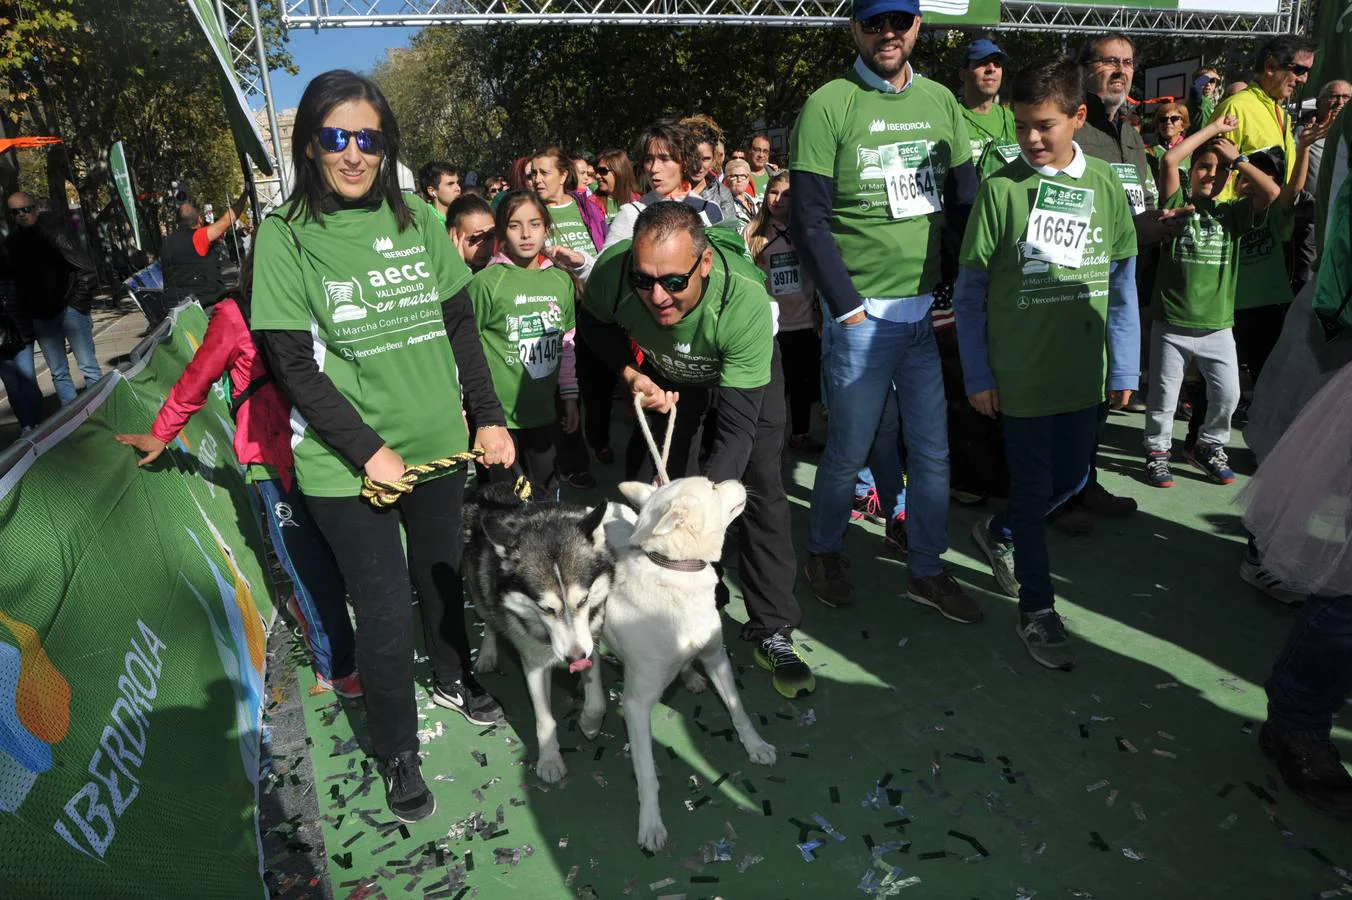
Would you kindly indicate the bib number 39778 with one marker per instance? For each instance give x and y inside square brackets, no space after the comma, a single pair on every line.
[912,189]
[1058,224]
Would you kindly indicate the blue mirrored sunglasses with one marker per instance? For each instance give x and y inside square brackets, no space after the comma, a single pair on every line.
[335,140]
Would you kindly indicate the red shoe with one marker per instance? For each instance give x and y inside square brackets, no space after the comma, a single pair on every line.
[349,686]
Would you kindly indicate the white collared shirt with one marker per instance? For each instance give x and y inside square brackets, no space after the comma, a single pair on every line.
[878,83]
[1075,168]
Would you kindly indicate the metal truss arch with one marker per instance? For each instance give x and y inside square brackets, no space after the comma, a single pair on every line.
[1014,14]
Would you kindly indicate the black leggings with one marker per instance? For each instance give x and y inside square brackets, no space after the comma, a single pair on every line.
[802,352]
[366,544]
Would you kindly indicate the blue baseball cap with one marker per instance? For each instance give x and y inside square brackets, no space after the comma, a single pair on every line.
[867,9]
[984,49]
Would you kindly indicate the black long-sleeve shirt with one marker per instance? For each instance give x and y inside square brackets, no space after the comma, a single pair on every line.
[332,416]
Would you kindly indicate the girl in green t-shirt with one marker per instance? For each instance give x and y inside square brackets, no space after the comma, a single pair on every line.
[524,307]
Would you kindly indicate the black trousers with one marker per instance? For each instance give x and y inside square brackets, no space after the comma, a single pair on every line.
[765,537]
[379,578]
[802,353]
[596,387]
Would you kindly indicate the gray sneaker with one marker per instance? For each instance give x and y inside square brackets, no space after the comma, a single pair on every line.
[1044,634]
[944,593]
[827,577]
[999,555]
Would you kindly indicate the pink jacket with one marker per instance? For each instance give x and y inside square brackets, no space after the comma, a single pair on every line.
[262,427]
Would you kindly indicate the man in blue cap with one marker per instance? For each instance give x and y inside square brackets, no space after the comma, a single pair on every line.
[881,177]
[990,126]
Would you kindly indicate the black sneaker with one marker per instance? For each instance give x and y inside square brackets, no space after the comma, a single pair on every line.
[583,481]
[894,536]
[1211,459]
[827,577]
[1311,769]
[1251,570]
[789,673]
[469,698]
[1157,472]
[406,793]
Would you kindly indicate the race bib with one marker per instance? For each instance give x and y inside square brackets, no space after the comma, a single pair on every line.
[1058,224]
[912,189]
[537,348]
[785,275]
[1126,172]
[1008,152]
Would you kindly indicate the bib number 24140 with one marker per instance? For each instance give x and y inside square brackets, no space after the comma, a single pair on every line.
[1058,224]
[912,189]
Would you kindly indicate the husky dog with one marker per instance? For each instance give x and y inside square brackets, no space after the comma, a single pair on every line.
[661,616]
[538,576]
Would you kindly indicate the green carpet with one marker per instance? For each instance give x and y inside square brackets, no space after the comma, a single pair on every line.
[935,760]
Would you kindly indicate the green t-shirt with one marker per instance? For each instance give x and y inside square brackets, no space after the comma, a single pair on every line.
[760,181]
[522,316]
[569,230]
[1047,323]
[727,339]
[888,156]
[1262,264]
[371,297]
[1195,281]
[991,137]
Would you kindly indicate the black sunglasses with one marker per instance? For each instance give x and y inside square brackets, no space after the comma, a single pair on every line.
[1171,118]
[1298,70]
[897,22]
[672,284]
[335,140]
[23,210]
[601,170]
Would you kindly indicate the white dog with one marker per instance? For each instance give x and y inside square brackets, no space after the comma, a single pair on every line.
[661,616]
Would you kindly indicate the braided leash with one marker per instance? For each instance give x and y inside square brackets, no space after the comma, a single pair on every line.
[383,495]
[659,458]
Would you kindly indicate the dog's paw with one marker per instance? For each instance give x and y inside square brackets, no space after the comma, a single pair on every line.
[652,835]
[761,753]
[590,723]
[551,769]
[486,663]
[694,682]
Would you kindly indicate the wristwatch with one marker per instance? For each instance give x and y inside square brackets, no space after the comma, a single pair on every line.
[1241,159]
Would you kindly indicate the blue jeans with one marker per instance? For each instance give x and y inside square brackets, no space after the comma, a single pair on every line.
[1049,459]
[309,563]
[78,328]
[866,360]
[1314,671]
[21,385]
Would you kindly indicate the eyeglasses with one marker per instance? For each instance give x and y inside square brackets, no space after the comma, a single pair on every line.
[23,210]
[895,22]
[1116,62]
[1172,120]
[602,171]
[335,140]
[738,175]
[672,284]
[1298,70]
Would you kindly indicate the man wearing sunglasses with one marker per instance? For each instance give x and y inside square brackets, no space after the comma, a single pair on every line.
[56,281]
[682,318]
[880,178]
[1281,66]
[191,268]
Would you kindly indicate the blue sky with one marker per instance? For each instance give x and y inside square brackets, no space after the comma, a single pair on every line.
[332,48]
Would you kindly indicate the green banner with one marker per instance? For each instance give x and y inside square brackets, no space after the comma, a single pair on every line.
[248,139]
[131,654]
[117,164]
[960,12]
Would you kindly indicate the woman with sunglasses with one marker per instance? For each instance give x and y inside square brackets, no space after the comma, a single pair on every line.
[615,183]
[360,300]
[1170,127]
[672,166]
[1203,96]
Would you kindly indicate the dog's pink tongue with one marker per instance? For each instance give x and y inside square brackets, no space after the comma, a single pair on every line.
[579,665]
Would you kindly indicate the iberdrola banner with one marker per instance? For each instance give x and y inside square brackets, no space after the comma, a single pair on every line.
[132,608]
[117,165]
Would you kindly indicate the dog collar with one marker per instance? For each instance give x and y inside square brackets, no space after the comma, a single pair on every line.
[676,565]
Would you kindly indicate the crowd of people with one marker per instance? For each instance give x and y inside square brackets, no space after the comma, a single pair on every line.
[965,280]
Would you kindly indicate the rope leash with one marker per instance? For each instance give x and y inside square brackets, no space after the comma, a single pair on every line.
[383,495]
[659,458]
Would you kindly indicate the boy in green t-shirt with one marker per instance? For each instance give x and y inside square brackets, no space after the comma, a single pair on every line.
[1194,300]
[1046,315]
